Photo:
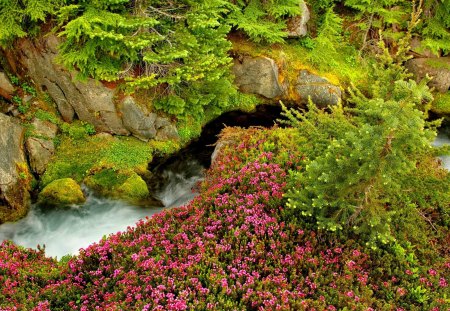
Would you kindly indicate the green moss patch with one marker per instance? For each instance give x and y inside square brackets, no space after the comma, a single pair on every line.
[134,188]
[63,191]
[441,104]
[111,166]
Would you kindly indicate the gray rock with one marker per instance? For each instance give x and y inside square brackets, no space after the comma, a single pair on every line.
[45,129]
[90,101]
[40,146]
[296,26]
[319,89]
[14,185]
[418,49]
[137,120]
[437,68]
[165,130]
[5,84]
[257,75]
[40,152]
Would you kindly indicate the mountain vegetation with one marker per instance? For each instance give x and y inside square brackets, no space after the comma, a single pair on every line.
[341,208]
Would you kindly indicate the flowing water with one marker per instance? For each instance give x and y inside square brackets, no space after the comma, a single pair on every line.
[66,230]
[442,140]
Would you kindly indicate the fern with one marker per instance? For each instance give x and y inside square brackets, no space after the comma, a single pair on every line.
[263,21]
[328,41]
[19,16]
[436,27]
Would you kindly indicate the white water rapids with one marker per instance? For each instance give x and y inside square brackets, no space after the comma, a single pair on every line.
[66,230]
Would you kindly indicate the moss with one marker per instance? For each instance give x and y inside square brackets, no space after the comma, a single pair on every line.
[105,181]
[61,191]
[438,63]
[441,104]
[134,188]
[111,166]
[79,158]
[293,57]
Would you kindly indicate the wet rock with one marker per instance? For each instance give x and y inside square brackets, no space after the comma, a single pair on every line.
[437,68]
[319,89]
[64,191]
[134,189]
[14,176]
[296,25]
[257,75]
[138,120]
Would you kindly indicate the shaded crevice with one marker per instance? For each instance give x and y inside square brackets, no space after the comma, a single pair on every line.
[201,149]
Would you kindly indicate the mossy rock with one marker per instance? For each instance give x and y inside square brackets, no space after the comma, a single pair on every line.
[133,189]
[63,191]
[441,105]
[121,184]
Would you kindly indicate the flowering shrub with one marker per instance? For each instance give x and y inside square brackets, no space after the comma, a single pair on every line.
[231,248]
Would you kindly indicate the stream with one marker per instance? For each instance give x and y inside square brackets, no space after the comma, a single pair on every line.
[65,230]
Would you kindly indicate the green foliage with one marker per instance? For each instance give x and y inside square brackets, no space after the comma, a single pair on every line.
[179,47]
[375,15]
[29,89]
[360,158]
[18,17]
[47,116]
[263,21]
[436,26]
[328,40]
[77,130]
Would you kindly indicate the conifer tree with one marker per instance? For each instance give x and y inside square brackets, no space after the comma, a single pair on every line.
[18,17]
[263,20]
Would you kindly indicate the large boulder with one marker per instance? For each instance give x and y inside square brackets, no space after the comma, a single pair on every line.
[137,119]
[296,26]
[258,75]
[437,68]
[40,146]
[14,175]
[89,100]
[319,89]
[63,191]
[145,125]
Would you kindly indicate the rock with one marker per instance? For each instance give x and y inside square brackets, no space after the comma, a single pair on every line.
[64,191]
[165,130]
[296,26]
[319,89]
[14,176]
[257,75]
[437,68]
[137,120]
[40,146]
[6,85]
[418,49]
[40,152]
[134,189]
[104,136]
[90,101]
[45,129]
